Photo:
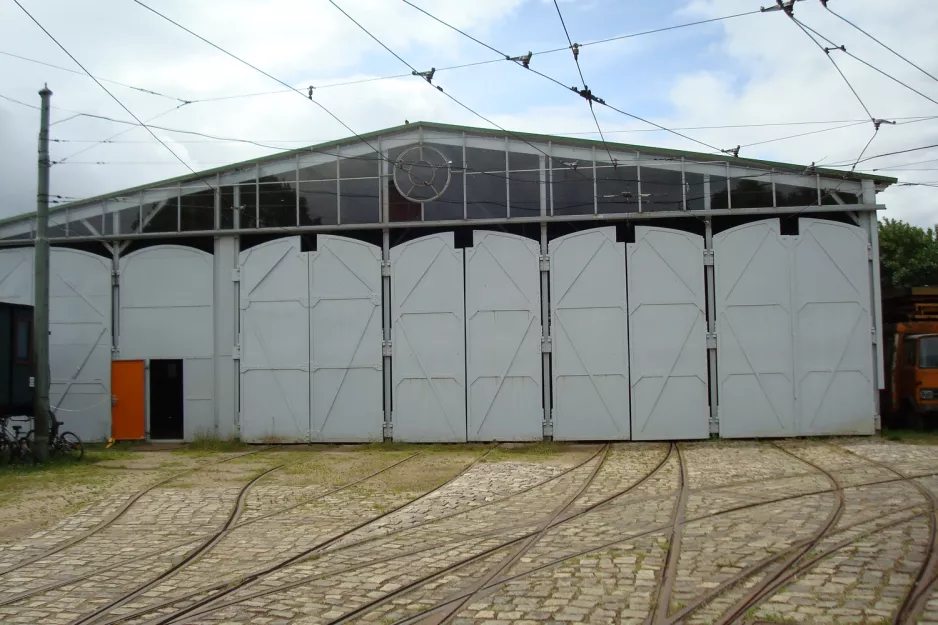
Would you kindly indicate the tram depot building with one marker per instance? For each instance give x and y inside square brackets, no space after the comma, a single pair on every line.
[434,283]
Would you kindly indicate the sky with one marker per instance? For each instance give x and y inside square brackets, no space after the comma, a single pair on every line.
[759,68]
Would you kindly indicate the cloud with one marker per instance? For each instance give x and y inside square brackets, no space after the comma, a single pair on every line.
[749,70]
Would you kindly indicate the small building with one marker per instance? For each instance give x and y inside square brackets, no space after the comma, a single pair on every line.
[439,283]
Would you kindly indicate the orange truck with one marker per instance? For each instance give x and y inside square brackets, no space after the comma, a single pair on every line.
[911,357]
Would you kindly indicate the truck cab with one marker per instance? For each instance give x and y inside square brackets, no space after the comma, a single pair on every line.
[914,372]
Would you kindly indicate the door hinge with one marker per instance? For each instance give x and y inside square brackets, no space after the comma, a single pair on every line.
[873,335]
[544,262]
[708,258]
[236,352]
[376,299]
[714,419]
[236,274]
[386,348]
[115,278]
[711,340]
[869,251]
[389,427]
[385,268]
[547,345]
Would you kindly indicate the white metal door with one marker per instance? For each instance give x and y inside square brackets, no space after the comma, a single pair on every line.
[429,373]
[667,335]
[80,341]
[833,340]
[755,364]
[345,341]
[503,338]
[79,332]
[275,342]
[590,366]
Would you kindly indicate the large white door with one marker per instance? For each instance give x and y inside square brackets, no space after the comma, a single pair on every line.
[503,338]
[275,342]
[833,341]
[755,364]
[345,341]
[429,340]
[79,332]
[590,365]
[667,335]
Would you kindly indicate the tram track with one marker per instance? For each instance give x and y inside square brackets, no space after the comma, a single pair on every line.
[59,584]
[115,515]
[212,603]
[778,574]
[445,615]
[229,528]
[661,607]
[191,557]
[492,586]
[927,575]
[250,578]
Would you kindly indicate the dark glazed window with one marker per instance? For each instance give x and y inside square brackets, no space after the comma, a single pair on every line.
[525,190]
[788,195]
[161,216]
[718,192]
[751,193]
[572,188]
[23,347]
[485,196]
[358,201]
[695,191]
[661,190]
[617,189]
[318,203]
[278,205]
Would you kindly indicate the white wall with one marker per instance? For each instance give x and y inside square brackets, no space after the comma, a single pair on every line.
[166,312]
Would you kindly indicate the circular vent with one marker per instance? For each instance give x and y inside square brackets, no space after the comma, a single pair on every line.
[421,173]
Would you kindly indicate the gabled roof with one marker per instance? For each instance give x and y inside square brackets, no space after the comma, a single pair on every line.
[883,181]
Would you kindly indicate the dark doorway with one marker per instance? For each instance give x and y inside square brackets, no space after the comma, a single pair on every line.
[166,399]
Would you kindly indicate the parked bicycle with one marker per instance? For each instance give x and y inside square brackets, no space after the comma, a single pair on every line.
[13,446]
[63,445]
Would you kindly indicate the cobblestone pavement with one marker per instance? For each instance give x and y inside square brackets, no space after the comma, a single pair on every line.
[800,531]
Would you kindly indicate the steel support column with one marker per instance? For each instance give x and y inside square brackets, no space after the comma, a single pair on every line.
[869,221]
[710,285]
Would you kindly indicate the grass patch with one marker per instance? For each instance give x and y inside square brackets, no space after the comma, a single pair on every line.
[539,450]
[203,446]
[912,437]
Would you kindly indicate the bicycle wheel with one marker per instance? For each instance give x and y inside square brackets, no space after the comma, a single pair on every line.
[71,445]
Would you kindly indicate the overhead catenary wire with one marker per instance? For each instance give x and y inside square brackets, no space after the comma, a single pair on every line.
[587,95]
[428,78]
[543,75]
[871,66]
[105,89]
[122,132]
[559,133]
[97,78]
[841,17]
[833,62]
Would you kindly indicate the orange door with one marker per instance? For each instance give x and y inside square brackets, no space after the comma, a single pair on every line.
[128,418]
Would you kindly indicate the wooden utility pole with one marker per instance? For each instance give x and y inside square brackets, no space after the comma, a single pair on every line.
[41,288]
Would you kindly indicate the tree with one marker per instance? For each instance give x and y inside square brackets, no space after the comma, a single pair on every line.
[908,254]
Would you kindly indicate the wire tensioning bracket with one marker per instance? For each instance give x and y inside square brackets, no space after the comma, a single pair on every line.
[576,51]
[428,76]
[311,89]
[733,151]
[841,48]
[524,59]
[587,94]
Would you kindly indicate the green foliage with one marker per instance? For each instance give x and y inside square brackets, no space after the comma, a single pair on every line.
[908,254]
